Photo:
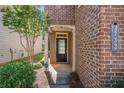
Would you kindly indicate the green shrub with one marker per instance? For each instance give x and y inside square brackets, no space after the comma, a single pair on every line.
[19,74]
[37,66]
[117,84]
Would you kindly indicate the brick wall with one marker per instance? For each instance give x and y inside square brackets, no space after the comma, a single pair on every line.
[87,40]
[112,64]
[95,62]
[62,14]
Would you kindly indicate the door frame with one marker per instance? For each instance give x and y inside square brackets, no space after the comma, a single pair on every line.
[67,28]
[67,45]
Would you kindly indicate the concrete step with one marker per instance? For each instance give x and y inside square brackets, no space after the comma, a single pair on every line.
[58,76]
[59,79]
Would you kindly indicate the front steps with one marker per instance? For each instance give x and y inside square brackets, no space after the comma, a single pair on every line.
[58,78]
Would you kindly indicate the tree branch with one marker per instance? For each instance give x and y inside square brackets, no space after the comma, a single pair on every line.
[22,42]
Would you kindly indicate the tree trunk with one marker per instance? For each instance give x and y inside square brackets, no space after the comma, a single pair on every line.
[33,43]
[30,51]
[32,48]
[28,48]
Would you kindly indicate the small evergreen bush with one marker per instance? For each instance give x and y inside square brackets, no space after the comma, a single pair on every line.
[17,75]
[117,84]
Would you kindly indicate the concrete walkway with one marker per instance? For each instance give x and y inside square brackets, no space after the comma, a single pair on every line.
[59,75]
[56,77]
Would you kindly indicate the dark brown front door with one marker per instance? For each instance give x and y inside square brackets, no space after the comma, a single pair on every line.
[61,50]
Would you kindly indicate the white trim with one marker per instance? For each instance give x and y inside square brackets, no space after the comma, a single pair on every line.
[74,48]
[72,27]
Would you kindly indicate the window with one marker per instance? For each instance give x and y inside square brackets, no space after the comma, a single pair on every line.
[61,35]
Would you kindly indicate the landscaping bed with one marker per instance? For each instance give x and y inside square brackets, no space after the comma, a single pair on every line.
[20,73]
[17,75]
[117,84]
[38,57]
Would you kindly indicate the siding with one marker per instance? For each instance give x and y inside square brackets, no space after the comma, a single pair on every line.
[11,40]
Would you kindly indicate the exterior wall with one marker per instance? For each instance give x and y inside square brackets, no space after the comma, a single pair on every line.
[96,65]
[95,62]
[61,15]
[52,48]
[11,40]
[112,64]
[87,25]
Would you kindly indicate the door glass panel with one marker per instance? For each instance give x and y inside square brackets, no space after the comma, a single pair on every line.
[61,47]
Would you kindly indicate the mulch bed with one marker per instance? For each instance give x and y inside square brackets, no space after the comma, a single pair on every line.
[74,81]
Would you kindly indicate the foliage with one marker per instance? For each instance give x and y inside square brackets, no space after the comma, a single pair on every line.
[15,75]
[37,66]
[38,57]
[28,21]
[117,84]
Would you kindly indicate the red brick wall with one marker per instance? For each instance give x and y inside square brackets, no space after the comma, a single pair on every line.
[62,14]
[87,25]
[95,62]
[112,64]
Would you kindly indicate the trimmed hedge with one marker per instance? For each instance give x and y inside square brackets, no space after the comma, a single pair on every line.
[17,75]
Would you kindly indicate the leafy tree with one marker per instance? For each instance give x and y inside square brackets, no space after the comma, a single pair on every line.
[28,21]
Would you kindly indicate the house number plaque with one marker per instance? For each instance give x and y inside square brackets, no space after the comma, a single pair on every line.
[115,37]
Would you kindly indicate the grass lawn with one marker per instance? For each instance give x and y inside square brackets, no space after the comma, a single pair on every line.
[37,58]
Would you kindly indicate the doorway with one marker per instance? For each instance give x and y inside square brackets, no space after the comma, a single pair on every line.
[61,48]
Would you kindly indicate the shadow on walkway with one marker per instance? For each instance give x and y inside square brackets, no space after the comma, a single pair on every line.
[57,76]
